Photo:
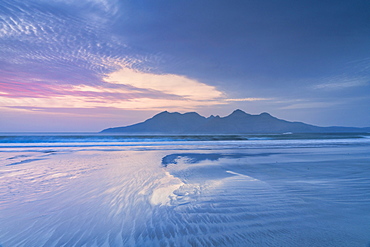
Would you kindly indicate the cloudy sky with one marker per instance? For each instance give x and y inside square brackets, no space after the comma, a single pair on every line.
[68,65]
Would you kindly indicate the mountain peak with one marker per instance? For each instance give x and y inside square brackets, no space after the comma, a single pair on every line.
[212,117]
[238,113]
[162,113]
[265,114]
[166,116]
[191,114]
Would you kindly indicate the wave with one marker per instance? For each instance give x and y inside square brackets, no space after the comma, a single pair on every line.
[100,138]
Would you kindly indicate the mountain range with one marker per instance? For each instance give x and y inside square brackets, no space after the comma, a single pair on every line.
[238,122]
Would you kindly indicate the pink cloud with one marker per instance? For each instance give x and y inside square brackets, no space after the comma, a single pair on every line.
[26,90]
[126,89]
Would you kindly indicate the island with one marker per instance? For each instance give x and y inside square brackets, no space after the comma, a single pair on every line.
[238,122]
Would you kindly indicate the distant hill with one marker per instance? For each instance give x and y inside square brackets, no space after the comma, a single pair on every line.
[238,122]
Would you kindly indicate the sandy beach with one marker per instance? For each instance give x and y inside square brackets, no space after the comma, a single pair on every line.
[226,193]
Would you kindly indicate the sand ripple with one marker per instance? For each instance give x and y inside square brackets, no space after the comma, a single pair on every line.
[310,197]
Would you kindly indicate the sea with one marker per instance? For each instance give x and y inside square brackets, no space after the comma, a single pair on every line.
[88,189]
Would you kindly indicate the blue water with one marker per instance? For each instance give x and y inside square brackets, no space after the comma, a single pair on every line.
[88,189]
[108,138]
[24,140]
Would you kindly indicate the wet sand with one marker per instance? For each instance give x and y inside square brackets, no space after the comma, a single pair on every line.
[178,195]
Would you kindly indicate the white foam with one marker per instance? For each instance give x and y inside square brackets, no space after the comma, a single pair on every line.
[242,175]
[164,192]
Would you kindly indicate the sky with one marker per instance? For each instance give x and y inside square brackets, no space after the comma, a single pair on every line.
[88,65]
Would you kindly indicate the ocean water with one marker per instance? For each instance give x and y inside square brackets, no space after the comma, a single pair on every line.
[161,190]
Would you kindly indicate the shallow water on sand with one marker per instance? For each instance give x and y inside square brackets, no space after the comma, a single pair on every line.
[188,193]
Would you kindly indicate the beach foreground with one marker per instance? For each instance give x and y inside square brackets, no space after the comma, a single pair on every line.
[182,192]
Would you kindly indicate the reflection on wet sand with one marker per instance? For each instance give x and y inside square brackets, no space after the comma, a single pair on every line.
[164,197]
